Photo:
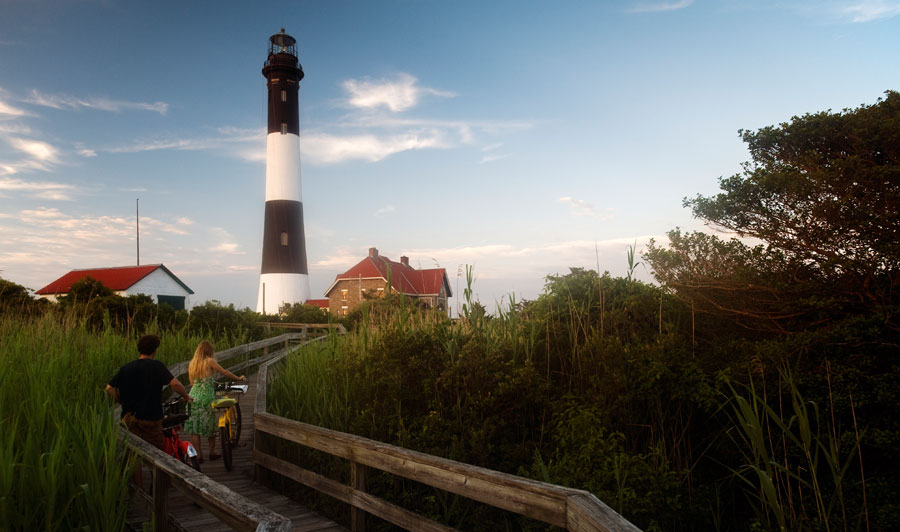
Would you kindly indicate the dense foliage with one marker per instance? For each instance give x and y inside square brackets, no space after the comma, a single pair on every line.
[755,389]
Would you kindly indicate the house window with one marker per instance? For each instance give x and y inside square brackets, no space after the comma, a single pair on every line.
[284,128]
[344,296]
[381,292]
[284,96]
[284,238]
[345,310]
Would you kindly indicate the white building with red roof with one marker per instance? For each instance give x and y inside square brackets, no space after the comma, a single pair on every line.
[154,280]
[369,278]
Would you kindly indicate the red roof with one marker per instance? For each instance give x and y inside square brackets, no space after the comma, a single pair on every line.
[404,279]
[115,279]
[321,303]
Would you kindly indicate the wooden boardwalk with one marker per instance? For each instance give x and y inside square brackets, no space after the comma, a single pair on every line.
[189,516]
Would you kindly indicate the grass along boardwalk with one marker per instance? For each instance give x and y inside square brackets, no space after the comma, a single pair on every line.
[190,516]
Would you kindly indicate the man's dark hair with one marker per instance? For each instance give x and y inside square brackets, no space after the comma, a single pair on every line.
[147,344]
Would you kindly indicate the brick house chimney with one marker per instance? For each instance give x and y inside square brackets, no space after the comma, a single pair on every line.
[404,261]
[373,252]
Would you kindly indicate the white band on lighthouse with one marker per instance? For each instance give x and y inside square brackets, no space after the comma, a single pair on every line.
[283,167]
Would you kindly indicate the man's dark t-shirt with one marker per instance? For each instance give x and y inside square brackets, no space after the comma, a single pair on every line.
[140,384]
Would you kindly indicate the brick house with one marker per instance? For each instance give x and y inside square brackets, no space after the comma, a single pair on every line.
[368,280]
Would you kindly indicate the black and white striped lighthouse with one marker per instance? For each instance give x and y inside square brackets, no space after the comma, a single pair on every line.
[284,277]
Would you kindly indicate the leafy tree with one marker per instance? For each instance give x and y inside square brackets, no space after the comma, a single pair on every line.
[215,319]
[84,290]
[16,298]
[822,193]
[302,313]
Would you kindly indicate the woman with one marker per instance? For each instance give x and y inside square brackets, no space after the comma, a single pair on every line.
[203,421]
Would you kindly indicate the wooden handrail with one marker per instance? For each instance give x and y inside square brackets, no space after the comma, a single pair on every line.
[291,325]
[575,510]
[232,508]
[237,511]
[182,367]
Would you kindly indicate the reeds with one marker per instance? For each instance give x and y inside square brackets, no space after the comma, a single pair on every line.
[794,468]
[62,466]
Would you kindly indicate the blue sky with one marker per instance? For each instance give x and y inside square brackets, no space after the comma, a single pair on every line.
[521,137]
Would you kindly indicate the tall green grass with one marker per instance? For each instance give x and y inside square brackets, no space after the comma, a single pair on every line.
[62,466]
[795,466]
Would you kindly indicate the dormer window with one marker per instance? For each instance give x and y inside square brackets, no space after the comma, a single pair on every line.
[284,238]
[284,128]
[284,96]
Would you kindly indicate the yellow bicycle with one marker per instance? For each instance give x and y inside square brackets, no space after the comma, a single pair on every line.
[230,417]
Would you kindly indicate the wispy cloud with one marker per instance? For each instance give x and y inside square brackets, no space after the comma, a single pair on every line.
[62,101]
[659,7]
[225,243]
[578,207]
[869,10]
[36,189]
[387,209]
[398,94]
[8,111]
[491,154]
[35,149]
[330,149]
[41,243]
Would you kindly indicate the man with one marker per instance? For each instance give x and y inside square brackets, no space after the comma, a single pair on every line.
[138,386]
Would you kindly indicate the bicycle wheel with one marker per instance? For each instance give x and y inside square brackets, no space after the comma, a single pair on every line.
[236,425]
[226,447]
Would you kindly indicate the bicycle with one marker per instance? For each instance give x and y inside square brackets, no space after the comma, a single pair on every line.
[230,419]
[173,418]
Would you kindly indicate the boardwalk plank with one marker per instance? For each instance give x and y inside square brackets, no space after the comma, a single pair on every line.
[239,479]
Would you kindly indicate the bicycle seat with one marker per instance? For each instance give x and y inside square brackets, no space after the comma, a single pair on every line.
[173,420]
[224,402]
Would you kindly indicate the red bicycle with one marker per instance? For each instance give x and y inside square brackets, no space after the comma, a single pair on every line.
[173,419]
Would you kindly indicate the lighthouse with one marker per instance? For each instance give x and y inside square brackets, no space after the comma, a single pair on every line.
[284,277]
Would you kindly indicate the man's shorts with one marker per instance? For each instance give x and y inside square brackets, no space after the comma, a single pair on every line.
[150,431]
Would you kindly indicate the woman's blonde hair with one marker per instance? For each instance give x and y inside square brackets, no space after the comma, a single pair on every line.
[200,361]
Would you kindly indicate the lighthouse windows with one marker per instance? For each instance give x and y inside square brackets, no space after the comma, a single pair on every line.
[284,238]
[284,96]
[284,128]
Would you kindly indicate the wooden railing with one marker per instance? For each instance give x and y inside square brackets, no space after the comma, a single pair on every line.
[234,509]
[237,511]
[571,509]
[269,325]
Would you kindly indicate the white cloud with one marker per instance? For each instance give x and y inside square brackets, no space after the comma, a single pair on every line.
[84,152]
[38,150]
[491,157]
[42,189]
[659,7]
[578,207]
[7,110]
[330,149]
[225,243]
[153,223]
[398,94]
[869,10]
[387,209]
[61,101]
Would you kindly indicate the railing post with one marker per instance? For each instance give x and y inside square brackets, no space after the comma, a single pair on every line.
[160,500]
[357,482]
